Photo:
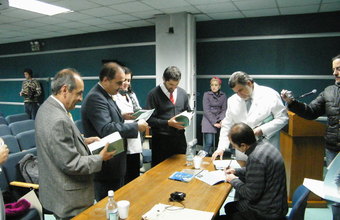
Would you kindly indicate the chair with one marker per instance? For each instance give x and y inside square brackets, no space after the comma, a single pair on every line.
[11,143]
[20,126]
[4,130]
[299,203]
[79,125]
[26,139]
[17,117]
[3,121]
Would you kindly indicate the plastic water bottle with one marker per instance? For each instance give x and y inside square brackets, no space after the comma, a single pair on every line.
[189,156]
[111,207]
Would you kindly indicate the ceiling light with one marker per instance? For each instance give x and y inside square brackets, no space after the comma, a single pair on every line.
[37,6]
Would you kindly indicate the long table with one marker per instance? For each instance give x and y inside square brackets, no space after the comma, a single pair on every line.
[154,187]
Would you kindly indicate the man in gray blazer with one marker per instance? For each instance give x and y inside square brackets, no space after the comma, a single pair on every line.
[65,164]
[101,117]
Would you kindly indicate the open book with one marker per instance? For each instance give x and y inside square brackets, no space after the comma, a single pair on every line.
[212,177]
[143,114]
[185,117]
[115,140]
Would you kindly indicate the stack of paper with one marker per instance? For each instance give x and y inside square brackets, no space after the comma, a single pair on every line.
[167,212]
[221,164]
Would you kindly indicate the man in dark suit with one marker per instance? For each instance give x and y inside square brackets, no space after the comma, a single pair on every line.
[101,117]
[65,164]
[168,100]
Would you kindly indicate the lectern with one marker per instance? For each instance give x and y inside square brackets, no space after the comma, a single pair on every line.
[302,148]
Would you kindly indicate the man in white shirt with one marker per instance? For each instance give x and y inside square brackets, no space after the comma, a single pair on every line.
[260,107]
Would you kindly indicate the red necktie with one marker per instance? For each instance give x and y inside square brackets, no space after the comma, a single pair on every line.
[172,98]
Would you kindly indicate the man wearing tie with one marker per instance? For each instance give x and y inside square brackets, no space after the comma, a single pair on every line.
[168,100]
[65,164]
[101,117]
[260,107]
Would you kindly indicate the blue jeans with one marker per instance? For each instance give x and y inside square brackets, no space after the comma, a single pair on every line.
[209,142]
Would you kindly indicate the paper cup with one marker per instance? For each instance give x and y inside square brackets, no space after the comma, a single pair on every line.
[197,162]
[123,208]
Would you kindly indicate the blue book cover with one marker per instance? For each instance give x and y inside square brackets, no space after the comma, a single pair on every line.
[180,176]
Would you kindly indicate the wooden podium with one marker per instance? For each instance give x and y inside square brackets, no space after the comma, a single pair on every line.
[302,148]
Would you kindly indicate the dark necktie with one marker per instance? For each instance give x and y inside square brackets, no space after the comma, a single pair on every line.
[248,104]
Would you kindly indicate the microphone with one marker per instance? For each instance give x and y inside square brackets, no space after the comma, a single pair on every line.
[308,93]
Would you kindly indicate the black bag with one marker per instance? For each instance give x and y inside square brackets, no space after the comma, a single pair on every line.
[29,168]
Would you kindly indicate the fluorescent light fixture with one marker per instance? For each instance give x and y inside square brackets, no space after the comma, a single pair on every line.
[38,6]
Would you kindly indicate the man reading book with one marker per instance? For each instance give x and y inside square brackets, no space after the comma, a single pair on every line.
[168,100]
[261,185]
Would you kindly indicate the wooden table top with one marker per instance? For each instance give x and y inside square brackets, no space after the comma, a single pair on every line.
[154,187]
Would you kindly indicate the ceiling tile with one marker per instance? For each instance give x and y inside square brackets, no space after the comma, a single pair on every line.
[21,14]
[255,4]
[49,20]
[226,15]
[72,24]
[109,2]
[119,18]
[299,10]
[113,26]
[100,11]
[94,21]
[140,23]
[217,7]
[77,5]
[203,2]
[147,14]
[5,19]
[131,7]
[260,13]
[188,8]
[74,16]
[330,7]
[289,3]
[157,4]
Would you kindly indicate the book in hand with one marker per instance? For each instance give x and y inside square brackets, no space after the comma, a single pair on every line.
[184,117]
[212,177]
[143,114]
[115,143]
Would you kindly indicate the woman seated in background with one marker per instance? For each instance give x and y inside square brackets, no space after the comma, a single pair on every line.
[128,103]
[214,108]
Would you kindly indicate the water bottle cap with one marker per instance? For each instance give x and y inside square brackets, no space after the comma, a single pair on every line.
[110,193]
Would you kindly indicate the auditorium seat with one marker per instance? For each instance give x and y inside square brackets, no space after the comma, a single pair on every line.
[17,117]
[20,126]
[4,130]
[26,139]
[3,121]
[11,143]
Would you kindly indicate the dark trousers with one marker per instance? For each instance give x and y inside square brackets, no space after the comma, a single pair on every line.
[101,188]
[132,167]
[31,108]
[165,146]
[232,213]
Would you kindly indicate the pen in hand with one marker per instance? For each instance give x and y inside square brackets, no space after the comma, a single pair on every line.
[229,164]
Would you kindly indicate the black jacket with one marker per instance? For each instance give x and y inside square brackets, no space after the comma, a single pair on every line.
[327,103]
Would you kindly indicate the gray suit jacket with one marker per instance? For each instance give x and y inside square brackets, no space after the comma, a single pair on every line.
[101,117]
[65,167]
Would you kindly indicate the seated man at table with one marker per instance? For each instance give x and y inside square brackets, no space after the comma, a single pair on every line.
[261,185]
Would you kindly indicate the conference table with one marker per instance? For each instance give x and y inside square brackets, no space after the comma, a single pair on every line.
[155,187]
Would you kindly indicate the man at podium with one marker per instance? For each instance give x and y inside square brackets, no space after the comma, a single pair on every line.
[328,102]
